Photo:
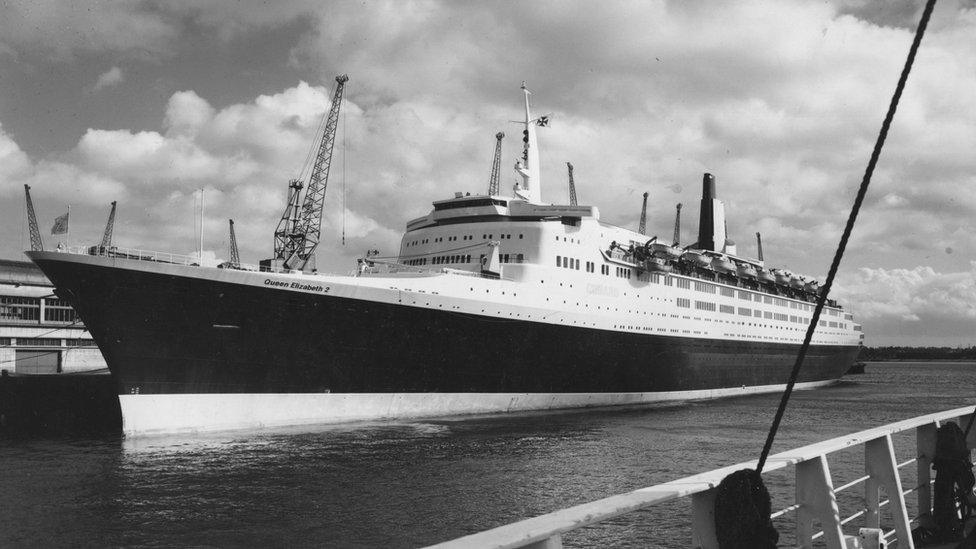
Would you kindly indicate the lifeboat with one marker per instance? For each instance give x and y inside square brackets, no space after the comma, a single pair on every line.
[696,258]
[782,277]
[661,249]
[746,271]
[766,276]
[796,282]
[723,264]
[813,287]
[657,264]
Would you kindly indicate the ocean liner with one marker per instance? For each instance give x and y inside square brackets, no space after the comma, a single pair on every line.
[494,303]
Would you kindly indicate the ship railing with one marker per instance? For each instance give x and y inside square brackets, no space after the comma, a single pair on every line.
[134,253]
[816,499]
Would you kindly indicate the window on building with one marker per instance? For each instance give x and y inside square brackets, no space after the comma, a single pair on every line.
[20,309]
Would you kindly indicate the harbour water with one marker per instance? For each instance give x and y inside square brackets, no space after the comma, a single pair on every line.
[410,484]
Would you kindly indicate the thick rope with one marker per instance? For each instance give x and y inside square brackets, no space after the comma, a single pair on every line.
[825,290]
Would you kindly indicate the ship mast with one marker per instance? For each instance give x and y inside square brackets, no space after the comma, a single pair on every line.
[528,165]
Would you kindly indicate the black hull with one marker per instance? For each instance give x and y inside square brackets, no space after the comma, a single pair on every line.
[166,334]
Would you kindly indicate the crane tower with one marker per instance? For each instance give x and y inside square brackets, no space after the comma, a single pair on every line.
[677,224]
[642,228]
[572,186]
[297,234]
[35,233]
[235,255]
[109,227]
[496,165]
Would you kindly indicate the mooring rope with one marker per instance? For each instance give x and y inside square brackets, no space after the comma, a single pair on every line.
[825,290]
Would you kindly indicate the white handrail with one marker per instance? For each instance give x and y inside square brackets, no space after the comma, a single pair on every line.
[546,530]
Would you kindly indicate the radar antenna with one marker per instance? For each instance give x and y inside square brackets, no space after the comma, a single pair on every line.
[496,165]
[572,186]
[643,219]
[35,233]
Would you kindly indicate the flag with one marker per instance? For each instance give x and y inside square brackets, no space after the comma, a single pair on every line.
[60,225]
[542,121]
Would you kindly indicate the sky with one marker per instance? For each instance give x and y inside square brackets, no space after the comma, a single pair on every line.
[146,103]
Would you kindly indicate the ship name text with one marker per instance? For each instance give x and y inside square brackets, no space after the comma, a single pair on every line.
[295,285]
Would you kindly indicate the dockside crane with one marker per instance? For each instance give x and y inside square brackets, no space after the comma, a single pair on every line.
[35,233]
[572,186]
[109,227]
[297,234]
[677,225]
[235,255]
[642,227]
[496,164]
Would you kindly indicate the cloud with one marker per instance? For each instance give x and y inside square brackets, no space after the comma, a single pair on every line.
[109,78]
[920,299]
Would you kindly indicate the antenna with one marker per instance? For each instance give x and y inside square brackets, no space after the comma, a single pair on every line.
[572,186]
[496,165]
[643,220]
[109,227]
[35,233]
[677,225]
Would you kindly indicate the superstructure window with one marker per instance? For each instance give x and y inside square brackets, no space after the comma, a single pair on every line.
[705,306]
[728,309]
[469,204]
[559,261]
[684,283]
[683,302]
[745,312]
[727,292]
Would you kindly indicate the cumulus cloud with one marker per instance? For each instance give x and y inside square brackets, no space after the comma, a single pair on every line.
[109,78]
[920,299]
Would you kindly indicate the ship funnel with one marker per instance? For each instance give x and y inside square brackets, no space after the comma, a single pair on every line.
[711,221]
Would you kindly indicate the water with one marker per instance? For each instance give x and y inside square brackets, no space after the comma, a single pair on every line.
[410,484]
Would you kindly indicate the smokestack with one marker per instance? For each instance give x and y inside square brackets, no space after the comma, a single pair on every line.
[711,221]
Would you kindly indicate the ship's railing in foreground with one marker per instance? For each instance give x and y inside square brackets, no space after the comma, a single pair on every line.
[816,496]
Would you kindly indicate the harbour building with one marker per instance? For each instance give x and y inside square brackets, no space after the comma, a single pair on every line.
[39,332]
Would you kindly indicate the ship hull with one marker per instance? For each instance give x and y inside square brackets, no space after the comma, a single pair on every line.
[194,354]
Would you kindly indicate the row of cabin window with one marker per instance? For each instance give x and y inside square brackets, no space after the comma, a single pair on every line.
[418,261]
[567,262]
[443,259]
[463,237]
[624,272]
[511,258]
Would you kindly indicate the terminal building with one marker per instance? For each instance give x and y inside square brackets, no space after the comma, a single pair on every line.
[40,333]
